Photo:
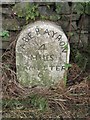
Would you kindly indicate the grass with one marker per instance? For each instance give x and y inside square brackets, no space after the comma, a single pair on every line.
[54,102]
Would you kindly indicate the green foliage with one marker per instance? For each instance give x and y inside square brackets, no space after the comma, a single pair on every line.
[4,34]
[58,8]
[55,17]
[78,57]
[82,7]
[29,11]
[87,10]
[65,79]
[79,8]
[67,65]
[12,104]
[36,101]
[66,47]
[51,17]
[44,17]
[39,102]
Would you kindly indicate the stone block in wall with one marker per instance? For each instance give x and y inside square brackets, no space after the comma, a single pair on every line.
[5,45]
[19,8]
[10,24]
[74,17]
[6,11]
[43,10]
[81,38]
[85,23]
[69,27]
[84,39]
[65,9]
[44,3]
[65,21]
[74,38]
[7,1]
[64,25]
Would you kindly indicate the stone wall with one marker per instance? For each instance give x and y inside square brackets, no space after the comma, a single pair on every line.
[74,24]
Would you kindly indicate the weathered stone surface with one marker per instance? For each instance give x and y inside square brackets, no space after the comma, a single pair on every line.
[10,24]
[7,2]
[5,45]
[83,38]
[65,9]
[74,17]
[64,25]
[42,51]
[85,23]
[6,11]
[43,10]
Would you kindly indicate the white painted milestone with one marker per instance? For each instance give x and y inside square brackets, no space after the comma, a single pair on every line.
[42,52]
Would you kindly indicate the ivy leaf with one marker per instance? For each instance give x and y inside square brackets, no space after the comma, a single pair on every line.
[4,34]
[66,47]
[79,8]
[48,6]
[70,34]
[67,65]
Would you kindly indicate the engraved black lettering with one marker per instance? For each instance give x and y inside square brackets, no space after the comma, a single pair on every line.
[59,37]
[53,33]
[63,68]
[30,36]
[64,50]
[51,57]
[48,57]
[62,43]
[57,68]
[46,32]
[51,66]
[42,47]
